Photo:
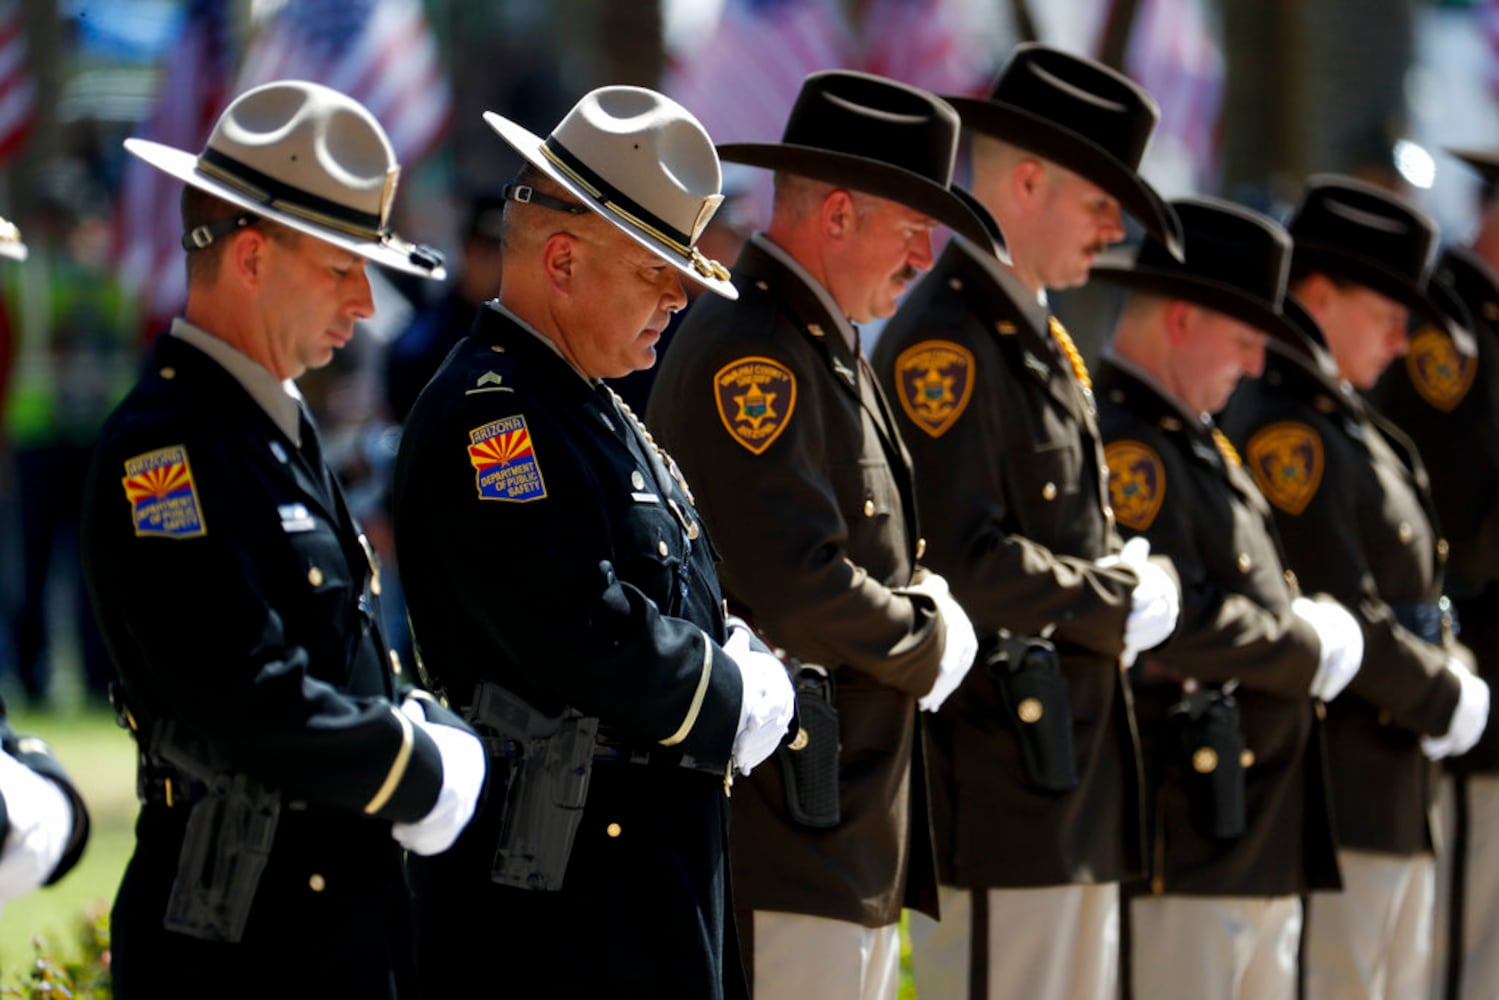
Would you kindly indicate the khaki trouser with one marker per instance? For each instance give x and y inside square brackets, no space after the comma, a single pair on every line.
[1215,947]
[1372,941]
[1058,943]
[821,959]
[1480,930]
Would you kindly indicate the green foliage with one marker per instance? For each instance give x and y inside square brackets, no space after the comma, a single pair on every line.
[83,977]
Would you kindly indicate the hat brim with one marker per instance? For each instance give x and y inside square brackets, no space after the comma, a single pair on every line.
[1080,155]
[13,250]
[1215,295]
[860,173]
[528,144]
[1339,263]
[394,253]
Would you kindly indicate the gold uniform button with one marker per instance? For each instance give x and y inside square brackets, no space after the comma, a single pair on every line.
[1245,562]
[801,740]
[1049,491]
[637,480]
[613,829]
[1246,758]
[395,663]
[1205,760]
[315,577]
[869,508]
[1029,710]
[317,883]
[169,373]
[920,547]
[663,548]
[1405,532]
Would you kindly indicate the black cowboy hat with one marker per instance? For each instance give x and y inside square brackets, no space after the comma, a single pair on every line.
[1357,232]
[1235,262]
[874,135]
[1083,116]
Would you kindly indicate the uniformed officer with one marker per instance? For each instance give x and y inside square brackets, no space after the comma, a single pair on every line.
[1351,502]
[1239,815]
[1447,400]
[996,405]
[280,772]
[554,560]
[776,417]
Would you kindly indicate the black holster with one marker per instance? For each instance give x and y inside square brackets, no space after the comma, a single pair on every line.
[809,764]
[1211,741]
[1036,707]
[550,762]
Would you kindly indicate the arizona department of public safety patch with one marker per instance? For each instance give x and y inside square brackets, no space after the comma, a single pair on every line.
[163,498]
[504,461]
[1137,483]
[934,380]
[755,398]
[1286,461]
[1440,374]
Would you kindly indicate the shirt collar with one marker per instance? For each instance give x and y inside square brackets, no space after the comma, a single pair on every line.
[279,399]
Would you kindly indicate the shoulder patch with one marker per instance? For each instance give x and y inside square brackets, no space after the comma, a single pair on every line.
[504,461]
[163,497]
[1137,483]
[755,399]
[1440,374]
[1287,462]
[934,380]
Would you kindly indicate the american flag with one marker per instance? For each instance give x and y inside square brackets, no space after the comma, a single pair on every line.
[933,44]
[379,52]
[148,228]
[17,86]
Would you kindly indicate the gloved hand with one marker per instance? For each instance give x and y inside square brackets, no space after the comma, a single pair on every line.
[768,702]
[961,645]
[41,821]
[1342,643]
[463,766]
[1468,719]
[1155,601]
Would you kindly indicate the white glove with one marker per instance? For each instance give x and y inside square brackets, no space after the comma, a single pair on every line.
[463,765]
[959,649]
[1468,719]
[768,702]
[1155,601]
[1341,640]
[41,821]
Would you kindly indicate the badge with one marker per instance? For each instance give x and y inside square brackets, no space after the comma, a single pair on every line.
[1286,461]
[505,462]
[934,380]
[755,399]
[163,498]
[1440,374]
[1137,483]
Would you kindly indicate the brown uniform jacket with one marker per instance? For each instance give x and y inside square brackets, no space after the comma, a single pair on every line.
[1354,515]
[785,439]
[1449,405]
[1014,492]
[1196,504]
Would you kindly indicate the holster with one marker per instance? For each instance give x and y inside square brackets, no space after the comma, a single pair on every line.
[809,764]
[1036,707]
[550,762]
[1211,742]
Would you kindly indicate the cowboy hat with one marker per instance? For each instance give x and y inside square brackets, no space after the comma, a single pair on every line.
[640,160]
[1082,116]
[10,241]
[874,135]
[305,156]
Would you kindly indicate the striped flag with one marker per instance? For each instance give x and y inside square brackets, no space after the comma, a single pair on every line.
[379,52]
[933,44]
[148,227]
[17,86]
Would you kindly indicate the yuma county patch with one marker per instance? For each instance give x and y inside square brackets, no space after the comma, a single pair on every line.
[1440,374]
[755,398]
[1286,460]
[1137,483]
[934,381]
[505,462]
[163,498]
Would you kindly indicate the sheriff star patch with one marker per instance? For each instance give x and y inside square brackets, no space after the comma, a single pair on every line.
[163,498]
[1137,483]
[1440,374]
[1286,461]
[934,380]
[504,461]
[755,399]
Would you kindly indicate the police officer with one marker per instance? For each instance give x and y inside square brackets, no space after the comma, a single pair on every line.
[801,472]
[1351,502]
[1447,399]
[555,564]
[280,774]
[996,406]
[1239,812]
